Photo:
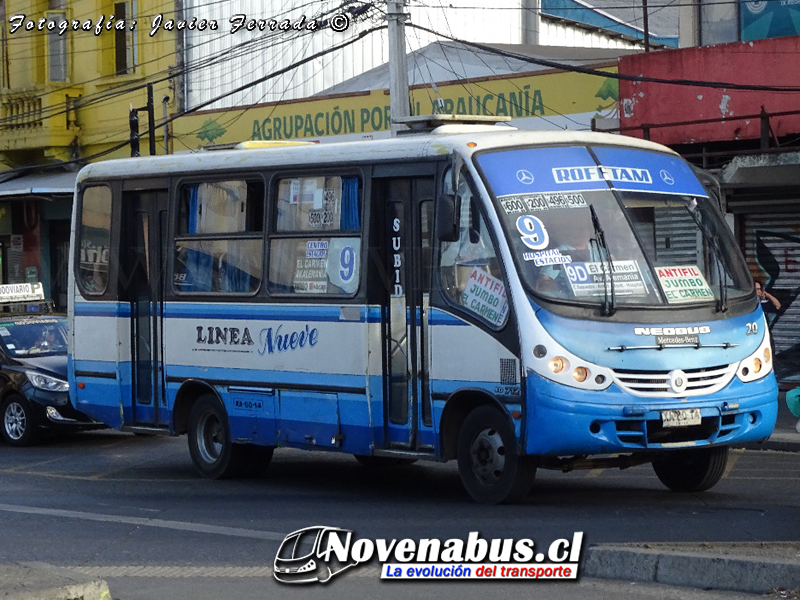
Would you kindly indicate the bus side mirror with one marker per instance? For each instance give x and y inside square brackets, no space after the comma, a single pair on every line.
[447,216]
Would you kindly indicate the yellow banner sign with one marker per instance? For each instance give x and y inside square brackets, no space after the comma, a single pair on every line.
[551,94]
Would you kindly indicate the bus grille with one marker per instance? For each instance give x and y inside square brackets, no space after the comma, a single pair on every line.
[655,384]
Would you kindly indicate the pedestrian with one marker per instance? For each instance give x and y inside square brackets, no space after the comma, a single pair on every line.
[769,303]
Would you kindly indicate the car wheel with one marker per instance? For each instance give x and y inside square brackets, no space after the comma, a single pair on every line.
[213,454]
[19,422]
[491,470]
[693,470]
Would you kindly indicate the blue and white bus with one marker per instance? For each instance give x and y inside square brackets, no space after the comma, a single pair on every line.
[513,300]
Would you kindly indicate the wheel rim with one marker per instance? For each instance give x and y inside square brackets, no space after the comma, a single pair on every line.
[15,421]
[488,456]
[209,438]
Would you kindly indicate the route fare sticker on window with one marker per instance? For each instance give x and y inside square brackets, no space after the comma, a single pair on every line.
[683,283]
[587,279]
[518,203]
[486,296]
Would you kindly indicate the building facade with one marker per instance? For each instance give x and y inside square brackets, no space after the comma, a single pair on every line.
[70,71]
[746,129]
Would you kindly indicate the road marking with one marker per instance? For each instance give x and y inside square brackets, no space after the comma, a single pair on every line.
[190,572]
[146,522]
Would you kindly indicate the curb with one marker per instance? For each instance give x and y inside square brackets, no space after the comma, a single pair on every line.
[37,581]
[687,565]
[779,441]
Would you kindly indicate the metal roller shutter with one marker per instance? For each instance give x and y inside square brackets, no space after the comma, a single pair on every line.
[772,249]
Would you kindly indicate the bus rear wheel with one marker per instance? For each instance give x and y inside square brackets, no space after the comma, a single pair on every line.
[491,470]
[693,470]
[213,453]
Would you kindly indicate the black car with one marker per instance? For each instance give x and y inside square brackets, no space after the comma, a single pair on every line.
[34,393]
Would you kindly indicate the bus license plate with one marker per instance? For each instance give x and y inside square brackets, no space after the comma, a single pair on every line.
[680,418]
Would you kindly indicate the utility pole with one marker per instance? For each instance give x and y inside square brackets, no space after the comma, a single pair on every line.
[645,26]
[398,67]
[133,121]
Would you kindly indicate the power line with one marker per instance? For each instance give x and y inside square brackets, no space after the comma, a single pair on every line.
[241,49]
[202,105]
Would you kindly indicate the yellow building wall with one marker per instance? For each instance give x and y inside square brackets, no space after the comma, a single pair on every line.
[35,121]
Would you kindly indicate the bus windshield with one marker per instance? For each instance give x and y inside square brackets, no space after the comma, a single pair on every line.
[572,221]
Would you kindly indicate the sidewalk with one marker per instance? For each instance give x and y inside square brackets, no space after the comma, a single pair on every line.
[37,581]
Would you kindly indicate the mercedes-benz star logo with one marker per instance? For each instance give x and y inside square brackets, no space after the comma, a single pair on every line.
[677,381]
[525,177]
[668,179]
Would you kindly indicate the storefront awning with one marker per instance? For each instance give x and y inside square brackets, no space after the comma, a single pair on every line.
[39,184]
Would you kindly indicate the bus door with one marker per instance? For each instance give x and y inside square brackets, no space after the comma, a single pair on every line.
[141,282]
[407,230]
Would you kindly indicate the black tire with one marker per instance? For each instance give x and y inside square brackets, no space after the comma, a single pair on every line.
[491,470]
[693,470]
[20,425]
[213,454]
[256,460]
[376,462]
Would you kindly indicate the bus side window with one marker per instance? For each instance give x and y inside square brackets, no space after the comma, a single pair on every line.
[94,240]
[315,242]
[219,245]
[469,271]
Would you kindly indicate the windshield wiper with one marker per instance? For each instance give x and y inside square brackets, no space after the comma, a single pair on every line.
[722,303]
[609,307]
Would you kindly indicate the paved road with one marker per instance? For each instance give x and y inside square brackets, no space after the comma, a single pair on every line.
[131,510]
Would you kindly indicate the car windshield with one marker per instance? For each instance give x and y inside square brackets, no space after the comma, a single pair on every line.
[34,336]
[575,215]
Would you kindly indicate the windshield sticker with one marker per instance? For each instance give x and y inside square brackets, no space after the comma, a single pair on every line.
[538,202]
[547,257]
[589,279]
[309,274]
[486,296]
[602,173]
[533,232]
[5,332]
[683,283]
[575,169]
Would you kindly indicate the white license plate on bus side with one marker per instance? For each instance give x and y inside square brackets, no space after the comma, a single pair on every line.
[681,417]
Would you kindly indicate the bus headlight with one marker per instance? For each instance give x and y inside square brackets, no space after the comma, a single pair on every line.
[580,374]
[759,363]
[558,364]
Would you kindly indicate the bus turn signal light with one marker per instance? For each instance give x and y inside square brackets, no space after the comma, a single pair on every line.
[558,364]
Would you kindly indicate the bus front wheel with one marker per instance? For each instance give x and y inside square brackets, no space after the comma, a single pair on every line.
[213,454]
[491,470]
[693,470]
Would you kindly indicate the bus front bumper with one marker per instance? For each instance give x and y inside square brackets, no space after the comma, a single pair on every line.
[565,421]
